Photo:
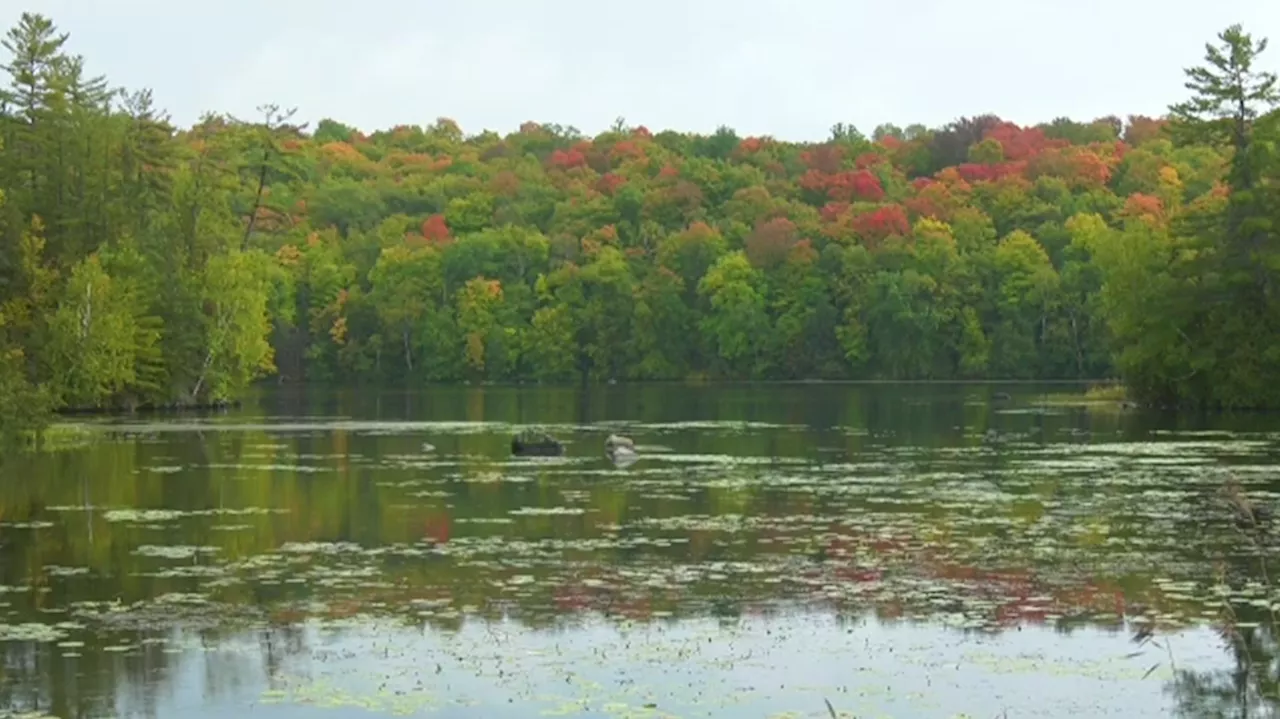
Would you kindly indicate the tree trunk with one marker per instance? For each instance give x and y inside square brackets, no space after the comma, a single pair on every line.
[257,199]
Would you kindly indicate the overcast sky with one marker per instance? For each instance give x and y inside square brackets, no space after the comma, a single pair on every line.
[787,68]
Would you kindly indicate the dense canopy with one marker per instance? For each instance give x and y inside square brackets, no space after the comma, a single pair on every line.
[145,264]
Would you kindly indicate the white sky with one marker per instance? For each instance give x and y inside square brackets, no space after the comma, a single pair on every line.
[790,69]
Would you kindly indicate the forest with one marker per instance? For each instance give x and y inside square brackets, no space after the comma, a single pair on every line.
[144,264]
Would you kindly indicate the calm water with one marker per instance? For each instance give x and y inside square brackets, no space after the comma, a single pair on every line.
[895,550]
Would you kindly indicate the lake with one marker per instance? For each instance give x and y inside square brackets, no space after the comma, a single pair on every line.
[791,550]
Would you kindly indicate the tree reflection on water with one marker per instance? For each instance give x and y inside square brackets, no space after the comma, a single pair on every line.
[173,550]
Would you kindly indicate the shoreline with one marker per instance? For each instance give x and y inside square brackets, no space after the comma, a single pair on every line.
[220,406]
[147,409]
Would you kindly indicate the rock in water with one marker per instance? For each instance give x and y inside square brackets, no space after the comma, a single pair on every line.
[536,444]
[622,450]
[615,440]
[624,457]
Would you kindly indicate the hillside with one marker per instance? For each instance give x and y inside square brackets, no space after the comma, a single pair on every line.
[147,264]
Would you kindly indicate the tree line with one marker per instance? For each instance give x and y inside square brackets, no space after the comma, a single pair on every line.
[144,264]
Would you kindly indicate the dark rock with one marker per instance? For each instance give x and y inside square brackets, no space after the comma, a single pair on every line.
[536,444]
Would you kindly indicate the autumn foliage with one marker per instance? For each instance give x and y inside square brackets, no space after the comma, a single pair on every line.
[875,225]
[567,160]
[980,248]
[844,186]
[1145,207]
[771,241]
[435,230]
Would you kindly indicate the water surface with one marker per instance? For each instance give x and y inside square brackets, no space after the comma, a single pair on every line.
[895,550]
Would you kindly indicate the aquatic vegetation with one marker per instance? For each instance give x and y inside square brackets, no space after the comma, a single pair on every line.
[66,436]
[141,515]
[26,525]
[179,551]
[734,551]
[937,546]
[30,632]
[147,516]
[1107,393]
[56,571]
